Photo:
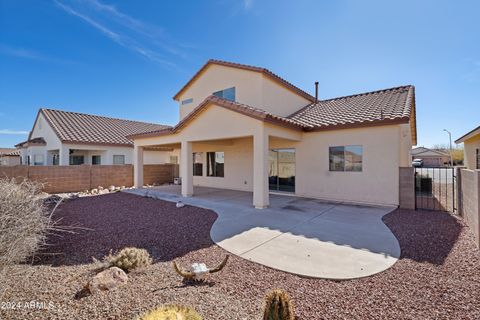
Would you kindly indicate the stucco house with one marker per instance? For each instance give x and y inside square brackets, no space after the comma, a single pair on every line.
[245,128]
[431,157]
[9,157]
[471,145]
[70,138]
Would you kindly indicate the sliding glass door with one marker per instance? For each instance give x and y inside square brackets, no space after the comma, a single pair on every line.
[282,170]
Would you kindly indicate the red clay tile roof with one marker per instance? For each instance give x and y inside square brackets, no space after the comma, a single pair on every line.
[394,105]
[80,128]
[264,71]
[382,107]
[9,152]
[231,105]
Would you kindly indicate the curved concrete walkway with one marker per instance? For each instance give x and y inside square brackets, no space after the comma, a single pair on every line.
[307,237]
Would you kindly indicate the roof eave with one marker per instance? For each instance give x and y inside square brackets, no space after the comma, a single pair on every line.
[263,71]
[365,124]
[130,145]
[468,135]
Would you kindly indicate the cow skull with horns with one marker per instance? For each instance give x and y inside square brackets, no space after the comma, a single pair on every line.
[198,271]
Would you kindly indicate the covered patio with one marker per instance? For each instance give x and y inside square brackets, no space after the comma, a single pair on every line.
[222,145]
[308,237]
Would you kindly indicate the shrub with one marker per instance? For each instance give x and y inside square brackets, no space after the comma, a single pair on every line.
[128,259]
[171,312]
[24,223]
[278,306]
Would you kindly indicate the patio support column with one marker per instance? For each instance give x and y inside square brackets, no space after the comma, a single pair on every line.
[186,168]
[63,156]
[260,170]
[138,166]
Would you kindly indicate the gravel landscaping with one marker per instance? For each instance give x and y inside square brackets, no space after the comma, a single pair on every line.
[437,277]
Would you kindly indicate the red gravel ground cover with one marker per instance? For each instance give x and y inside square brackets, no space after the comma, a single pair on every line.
[437,277]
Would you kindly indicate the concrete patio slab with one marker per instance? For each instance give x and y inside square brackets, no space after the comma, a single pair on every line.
[308,237]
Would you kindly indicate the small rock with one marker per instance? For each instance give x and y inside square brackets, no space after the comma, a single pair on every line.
[100,188]
[180,204]
[122,187]
[111,188]
[94,191]
[107,280]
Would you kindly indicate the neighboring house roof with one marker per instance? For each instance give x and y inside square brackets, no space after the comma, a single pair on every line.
[394,105]
[9,152]
[469,135]
[264,71]
[426,152]
[32,142]
[227,104]
[81,128]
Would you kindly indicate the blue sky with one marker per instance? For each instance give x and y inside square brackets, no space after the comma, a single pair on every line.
[127,59]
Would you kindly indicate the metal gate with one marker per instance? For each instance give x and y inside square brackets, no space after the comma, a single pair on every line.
[435,188]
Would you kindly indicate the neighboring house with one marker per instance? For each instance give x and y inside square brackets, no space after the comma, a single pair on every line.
[245,128]
[71,138]
[9,157]
[471,144]
[430,157]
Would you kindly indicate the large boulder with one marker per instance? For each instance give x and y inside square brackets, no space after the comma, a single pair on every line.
[108,279]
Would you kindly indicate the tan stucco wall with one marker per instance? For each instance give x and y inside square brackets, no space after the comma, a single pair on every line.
[378,183]
[238,165]
[405,145]
[279,100]
[470,147]
[252,88]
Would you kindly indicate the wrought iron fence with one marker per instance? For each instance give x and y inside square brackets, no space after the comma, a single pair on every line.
[435,188]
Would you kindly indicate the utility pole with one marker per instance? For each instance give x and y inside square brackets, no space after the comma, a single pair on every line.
[450,137]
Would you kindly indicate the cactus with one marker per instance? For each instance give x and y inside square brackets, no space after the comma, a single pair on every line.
[171,312]
[278,306]
[128,259]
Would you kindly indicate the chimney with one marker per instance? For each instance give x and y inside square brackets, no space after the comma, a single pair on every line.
[316,91]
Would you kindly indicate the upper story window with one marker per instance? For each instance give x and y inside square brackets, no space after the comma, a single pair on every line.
[227,94]
[346,158]
[187,101]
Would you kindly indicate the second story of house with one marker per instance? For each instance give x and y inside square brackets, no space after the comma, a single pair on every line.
[253,86]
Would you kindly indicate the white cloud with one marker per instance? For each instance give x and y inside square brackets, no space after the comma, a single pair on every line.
[144,39]
[19,52]
[247,4]
[17,132]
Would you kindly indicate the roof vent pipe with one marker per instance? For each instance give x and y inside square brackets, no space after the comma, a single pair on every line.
[316,91]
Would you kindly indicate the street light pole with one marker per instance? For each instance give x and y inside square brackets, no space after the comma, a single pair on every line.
[450,137]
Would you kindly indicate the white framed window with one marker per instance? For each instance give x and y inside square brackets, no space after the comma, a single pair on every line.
[96,160]
[227,94]
[38,160]
[55,159]
[216,164]
[346,158]
[76,160]
[118,159]
[198,164]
